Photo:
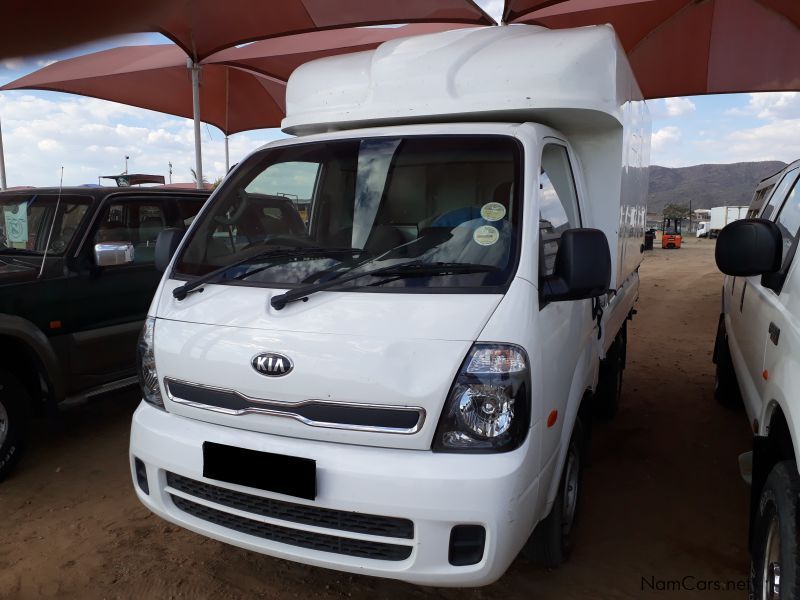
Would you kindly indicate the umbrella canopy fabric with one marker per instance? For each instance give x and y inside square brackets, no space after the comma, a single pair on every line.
[157,78]
[203,27]
[690,47]
[50,25]
[278,57]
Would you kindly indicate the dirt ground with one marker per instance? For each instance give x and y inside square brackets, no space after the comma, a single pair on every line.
[664,507]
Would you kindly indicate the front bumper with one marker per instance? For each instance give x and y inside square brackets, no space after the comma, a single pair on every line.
[434,491]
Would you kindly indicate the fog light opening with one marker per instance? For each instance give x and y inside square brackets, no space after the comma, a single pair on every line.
[141,475]
[466,545]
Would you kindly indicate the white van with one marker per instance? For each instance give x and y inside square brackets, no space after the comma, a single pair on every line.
[398,381]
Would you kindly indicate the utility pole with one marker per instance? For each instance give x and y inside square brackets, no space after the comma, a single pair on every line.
[126,164]
[170,171]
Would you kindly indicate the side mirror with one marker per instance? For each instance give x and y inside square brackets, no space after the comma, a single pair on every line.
[749,247]
[582,268]
[166,244]
[108,254]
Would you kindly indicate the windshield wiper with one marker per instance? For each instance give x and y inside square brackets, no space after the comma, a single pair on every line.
[180,292]
[415,268]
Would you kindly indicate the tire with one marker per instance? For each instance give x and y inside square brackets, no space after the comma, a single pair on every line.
[726,388]
[552,541]
[608,396]
[775,557]
[14,420]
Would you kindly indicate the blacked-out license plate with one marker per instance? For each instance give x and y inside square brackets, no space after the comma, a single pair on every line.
[288,475]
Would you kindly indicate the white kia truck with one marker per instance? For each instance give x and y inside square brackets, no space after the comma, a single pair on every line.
[396,378]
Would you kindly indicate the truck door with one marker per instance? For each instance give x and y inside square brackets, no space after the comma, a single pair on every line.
[754,307]
[566,327]
[779,328]
[109,303]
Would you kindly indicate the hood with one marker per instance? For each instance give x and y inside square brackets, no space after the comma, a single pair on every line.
[350,351]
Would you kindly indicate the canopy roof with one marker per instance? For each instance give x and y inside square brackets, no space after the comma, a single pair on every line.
[689,47]
[203,27]
[126,179]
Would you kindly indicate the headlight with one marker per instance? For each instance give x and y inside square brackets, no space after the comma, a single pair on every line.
[146,363]
[488,408]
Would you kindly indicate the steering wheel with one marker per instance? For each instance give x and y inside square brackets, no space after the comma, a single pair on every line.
[243,196]
[280,240]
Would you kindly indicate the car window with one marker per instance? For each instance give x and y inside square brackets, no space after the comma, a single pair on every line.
[28,222]
[780,193]
[558,204]
[137,222]
[788,222]
[188,209]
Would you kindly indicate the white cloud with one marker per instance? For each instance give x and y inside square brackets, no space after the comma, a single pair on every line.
[770,106]
[12,64]
[91,137]
[678,107]
[669,108]
[666,136]
[493,7]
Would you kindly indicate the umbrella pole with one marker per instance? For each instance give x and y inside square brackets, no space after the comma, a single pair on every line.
[198,152]
[227,156]
[2,163]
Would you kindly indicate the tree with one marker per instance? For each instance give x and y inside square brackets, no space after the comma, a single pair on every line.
[676,211]
[194,177]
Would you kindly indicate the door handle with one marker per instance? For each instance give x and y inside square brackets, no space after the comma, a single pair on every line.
[774,333]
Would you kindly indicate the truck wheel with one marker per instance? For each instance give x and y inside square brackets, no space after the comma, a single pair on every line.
[14,405]
[552,541]
[607,398]
[726,388]
[774,567]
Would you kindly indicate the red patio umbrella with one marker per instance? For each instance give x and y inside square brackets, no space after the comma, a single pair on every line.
[203,27]
[689,47]
[233,98]
[156,78]
[278,57]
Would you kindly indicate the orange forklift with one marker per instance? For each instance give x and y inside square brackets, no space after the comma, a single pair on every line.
[671,234]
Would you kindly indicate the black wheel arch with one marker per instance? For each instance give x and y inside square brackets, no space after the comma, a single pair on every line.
[26,352]
[768,451]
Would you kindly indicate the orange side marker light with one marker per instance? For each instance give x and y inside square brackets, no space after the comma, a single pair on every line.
[552,418]
[55,324]
[765,375]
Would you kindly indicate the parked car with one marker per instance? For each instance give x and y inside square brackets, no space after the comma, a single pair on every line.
[76,278]
[757,355]
[404,388]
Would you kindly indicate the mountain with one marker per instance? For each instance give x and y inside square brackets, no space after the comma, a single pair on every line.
[707,185]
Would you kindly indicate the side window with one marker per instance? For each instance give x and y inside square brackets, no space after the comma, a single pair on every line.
[188,209]
[138,222]
[788,222]
[558,204]
[780,193]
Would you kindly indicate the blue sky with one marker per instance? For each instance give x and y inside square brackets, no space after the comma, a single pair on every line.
[43,131]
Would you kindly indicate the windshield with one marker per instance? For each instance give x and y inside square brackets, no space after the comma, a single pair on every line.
[27,219]
[372,202]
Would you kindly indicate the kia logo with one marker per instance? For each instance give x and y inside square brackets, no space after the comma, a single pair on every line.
[272,365]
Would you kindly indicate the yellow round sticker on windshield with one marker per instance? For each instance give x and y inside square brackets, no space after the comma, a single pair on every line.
[486,235]
[493,211]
